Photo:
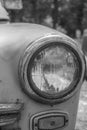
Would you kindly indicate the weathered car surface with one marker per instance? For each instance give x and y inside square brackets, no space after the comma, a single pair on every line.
[18,110]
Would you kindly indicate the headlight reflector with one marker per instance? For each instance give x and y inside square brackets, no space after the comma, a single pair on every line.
[52,69]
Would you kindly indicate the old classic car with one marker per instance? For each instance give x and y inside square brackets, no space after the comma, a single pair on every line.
[41,73]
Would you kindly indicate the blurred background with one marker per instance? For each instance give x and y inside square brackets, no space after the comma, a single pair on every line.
[67,16]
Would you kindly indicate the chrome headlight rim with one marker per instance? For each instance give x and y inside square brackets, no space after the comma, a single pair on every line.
[62,94]
[24,62]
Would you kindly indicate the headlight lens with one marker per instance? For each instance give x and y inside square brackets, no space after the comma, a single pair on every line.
[53,69]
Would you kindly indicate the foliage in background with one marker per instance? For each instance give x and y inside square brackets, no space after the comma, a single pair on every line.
[71,15]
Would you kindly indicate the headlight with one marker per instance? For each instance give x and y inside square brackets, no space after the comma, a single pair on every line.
[51,69]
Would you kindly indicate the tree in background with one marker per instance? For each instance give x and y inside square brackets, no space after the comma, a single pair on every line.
[84,22]
[77,10]
[69,14]
[34,11]
[55,13]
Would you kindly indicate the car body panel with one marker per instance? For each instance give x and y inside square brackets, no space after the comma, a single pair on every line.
[14,38]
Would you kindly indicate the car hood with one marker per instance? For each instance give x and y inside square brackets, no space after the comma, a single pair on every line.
[19,35]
